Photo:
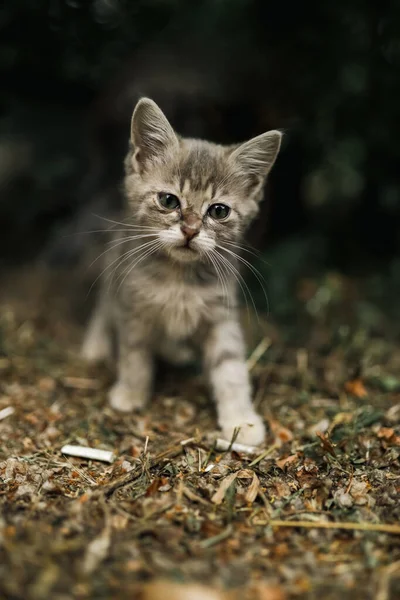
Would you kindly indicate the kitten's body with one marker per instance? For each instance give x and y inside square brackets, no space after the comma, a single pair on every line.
[171,289]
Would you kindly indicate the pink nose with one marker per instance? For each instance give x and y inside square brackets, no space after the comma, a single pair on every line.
[189,232]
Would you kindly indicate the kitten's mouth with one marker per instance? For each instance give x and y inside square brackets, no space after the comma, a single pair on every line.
[185,251]
[186,246]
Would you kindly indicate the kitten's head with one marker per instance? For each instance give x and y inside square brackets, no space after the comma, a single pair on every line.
[191,195]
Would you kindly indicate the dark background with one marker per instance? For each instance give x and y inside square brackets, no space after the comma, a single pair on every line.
[327,73]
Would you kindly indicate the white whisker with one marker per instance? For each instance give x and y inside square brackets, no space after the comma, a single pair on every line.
[119,242]
[242,283]
[157,245]
[128,225]
[120,258]
[252,269]
[248,249]
[221,278]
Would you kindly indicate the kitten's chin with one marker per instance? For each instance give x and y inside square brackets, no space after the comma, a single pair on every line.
[184,254]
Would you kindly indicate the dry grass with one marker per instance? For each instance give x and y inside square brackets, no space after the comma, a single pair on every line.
[313,515]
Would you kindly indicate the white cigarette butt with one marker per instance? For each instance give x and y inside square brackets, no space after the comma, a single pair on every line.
[6,412]
[90,453]
[225,445]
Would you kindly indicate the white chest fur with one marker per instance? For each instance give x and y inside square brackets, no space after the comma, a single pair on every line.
[180,308]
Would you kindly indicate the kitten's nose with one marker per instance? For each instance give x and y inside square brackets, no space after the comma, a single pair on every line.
[188,231]
[191,226]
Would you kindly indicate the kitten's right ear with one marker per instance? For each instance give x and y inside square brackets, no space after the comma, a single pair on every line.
[151,133]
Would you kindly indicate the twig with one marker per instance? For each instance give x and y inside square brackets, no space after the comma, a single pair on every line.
[388,572]
[235,434]
[110,488]
[379,527]
[257,353]
[82,383]
[216,539]
[263,455]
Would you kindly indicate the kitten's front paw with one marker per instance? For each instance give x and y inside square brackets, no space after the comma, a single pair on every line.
[124,399]
[252,430]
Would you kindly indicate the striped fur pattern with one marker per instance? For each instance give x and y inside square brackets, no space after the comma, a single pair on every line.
[169,285]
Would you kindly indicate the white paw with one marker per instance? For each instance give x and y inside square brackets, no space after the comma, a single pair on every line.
[96,349]
[124,399]
[251,433]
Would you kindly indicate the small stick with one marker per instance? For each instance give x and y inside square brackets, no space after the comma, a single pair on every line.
[263,455]
[384,582]
[258,352]
[82,383]
[379,527]
[212,541]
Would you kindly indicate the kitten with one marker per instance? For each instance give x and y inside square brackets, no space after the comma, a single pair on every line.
[173,292]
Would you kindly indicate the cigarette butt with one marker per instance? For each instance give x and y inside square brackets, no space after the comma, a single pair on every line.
[225,445]
[89,453]
[6,412]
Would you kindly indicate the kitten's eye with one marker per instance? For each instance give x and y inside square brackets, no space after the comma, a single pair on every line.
[219,211]
[168,201]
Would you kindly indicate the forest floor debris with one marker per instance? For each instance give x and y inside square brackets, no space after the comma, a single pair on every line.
[315,513]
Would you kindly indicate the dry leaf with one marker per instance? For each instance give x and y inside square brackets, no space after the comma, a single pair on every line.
[326,443]
[388,437]
[386,433]
[359,492]
[220,493]
[245,474]
[253,489]
[286,462]
[282,434]
[153,487]
[356,388]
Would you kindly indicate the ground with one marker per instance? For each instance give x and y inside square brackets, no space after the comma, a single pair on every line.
[313,514]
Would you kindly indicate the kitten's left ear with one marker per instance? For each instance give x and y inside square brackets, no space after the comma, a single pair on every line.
[257,156]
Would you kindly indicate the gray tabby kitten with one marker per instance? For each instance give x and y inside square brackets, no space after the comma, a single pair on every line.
[173,290]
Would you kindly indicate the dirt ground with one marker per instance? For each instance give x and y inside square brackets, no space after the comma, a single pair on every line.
[313,514]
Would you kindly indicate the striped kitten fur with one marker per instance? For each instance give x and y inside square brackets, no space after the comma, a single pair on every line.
[169,284]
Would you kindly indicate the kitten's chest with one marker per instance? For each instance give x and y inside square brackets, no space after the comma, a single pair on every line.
[179,308]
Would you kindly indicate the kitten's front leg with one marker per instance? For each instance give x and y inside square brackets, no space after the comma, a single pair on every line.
[224,358]
[135,369]
[97,344]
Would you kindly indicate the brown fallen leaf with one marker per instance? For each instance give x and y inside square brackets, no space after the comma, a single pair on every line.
[155,486]
[356,388]
[287,461]
[220,493]
[282,434]
[389,436]
[386,433]
[326,443]
[245,474]
[252,490]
